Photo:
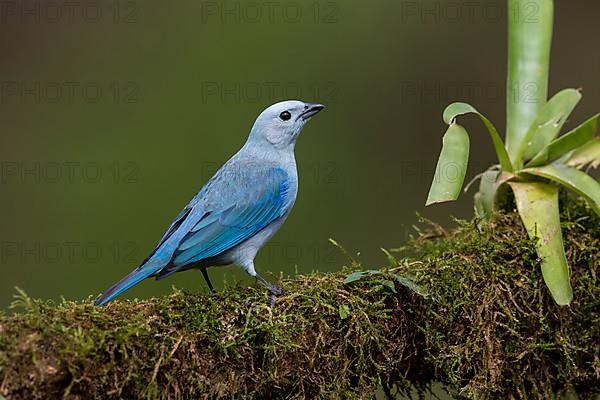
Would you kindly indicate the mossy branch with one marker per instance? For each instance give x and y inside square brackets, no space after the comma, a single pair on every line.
[487,329]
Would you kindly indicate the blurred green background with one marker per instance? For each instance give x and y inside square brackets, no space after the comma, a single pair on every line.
[114,114]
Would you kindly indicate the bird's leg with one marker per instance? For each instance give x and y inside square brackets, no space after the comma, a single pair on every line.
[205,275]
[274,291]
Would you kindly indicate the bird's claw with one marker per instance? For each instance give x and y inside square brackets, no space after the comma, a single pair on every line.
[274,291]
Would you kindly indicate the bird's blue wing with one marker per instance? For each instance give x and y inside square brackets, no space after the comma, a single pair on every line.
[254,206]
[181,217]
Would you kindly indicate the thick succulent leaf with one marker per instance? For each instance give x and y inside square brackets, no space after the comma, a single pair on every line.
[490,182]
[567,142]
[589,153]
[485,197]
[456,109]
[481,208]
[529,42]
[451,166]
[548,123]
[538,207]
[572,178]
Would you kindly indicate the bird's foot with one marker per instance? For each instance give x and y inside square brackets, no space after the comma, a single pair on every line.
[274,291]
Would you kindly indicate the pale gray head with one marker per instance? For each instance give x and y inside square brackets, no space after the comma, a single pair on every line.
[280,124]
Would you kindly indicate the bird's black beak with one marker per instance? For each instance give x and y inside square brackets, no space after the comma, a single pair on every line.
[310,110]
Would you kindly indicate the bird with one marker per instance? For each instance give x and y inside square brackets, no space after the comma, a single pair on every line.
[238,210]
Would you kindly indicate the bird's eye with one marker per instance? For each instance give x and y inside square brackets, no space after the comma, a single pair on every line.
[285,116]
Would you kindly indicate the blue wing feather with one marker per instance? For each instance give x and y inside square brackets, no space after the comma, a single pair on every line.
[234,221]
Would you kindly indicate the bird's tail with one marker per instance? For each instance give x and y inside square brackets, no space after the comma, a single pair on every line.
[139,274]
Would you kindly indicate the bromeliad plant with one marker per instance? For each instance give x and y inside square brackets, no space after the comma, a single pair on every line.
[535,161]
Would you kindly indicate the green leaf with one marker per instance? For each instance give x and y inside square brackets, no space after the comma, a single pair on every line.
[489,183]
[406,282]
[572,178]
[548,123]
[485,198]
[482,209]
[529,40]
[589,153]
[567,142]
[451,166]
[456,109]
[538,206]
[389,285]
[354,277]
[344,311]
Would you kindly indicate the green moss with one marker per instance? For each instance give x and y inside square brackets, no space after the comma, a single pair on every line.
[492,328]
[488,329]
[185,345]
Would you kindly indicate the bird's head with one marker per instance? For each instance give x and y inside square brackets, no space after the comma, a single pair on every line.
[280,124]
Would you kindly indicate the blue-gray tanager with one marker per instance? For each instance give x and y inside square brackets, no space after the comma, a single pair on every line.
[240,208]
